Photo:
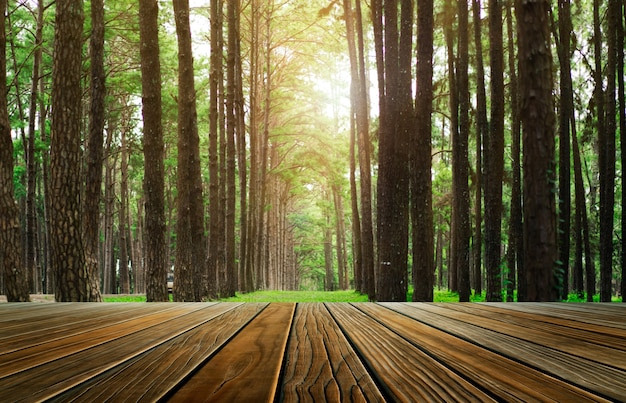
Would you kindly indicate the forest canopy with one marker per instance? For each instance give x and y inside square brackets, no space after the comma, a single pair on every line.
[390,147]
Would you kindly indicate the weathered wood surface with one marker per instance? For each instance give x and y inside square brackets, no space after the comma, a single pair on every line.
[312,352]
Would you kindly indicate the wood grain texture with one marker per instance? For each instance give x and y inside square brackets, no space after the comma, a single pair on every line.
[602,335]
[321,365]
[407,373]
[247,369]
[78,341]
[153,374]
[555,340]
[312,352]
[606,315]
[49,373]
[522,367]
[59,324]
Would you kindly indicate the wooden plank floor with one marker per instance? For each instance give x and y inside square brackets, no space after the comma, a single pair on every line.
[257,352]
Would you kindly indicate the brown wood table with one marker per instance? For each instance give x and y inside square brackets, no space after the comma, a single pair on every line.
[263,352]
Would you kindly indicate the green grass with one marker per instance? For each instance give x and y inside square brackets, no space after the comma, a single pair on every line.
[299,296]
[449,296]
[124,298]
[325,296]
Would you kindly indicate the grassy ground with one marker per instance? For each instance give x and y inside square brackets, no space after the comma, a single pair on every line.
[323,296]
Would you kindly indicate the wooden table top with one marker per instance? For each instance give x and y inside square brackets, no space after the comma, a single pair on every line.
[255,352]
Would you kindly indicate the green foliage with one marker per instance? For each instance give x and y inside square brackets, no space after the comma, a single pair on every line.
[596,298]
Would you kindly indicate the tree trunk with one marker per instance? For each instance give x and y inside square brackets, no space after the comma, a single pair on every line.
[68,255]
[537,115]
[215,232]
[342,263]
[262,239]
[93,180]
[461,150]
[393,181]
[581,209]
[622,128]
[47,273]
[153,148]
[245,282]
[606,141]
[139,267]
[515,262]
[566,106]
[328,256]
[250,284]
[454,137]
[354,99]
[190,280]
[482,130]
[494,159]
[421,161]
[223,278]
[109,273]
[124,273]
[14,271]
[231,197]
[32,256]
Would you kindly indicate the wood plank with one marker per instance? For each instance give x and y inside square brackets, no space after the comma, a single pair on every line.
[507,379]
[605,381]
[575,346]
[321,365]
[247,369]
[560,310]
[406,373]
[601,335]
[64,322]
[71,367]
[20,311]
[15,361]
[153,374]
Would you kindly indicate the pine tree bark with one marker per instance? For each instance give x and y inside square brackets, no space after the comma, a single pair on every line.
[245,282]
[215,232]
[580,216]
[393,178]
[340,230]
[329,281]
[124,273]
[153,148]
[515,260]
[482,130]
[93,180]
[32,256]
[566,106]
[250,280]
[537,115]
[231,120]
[622,126]
[453,103]
[606,141]
[109,277]
[66,244]
[14,271]
[354,99]
[47,273]
[460,151]
[421,160]
[223,278]
[190,279]
[494,159]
